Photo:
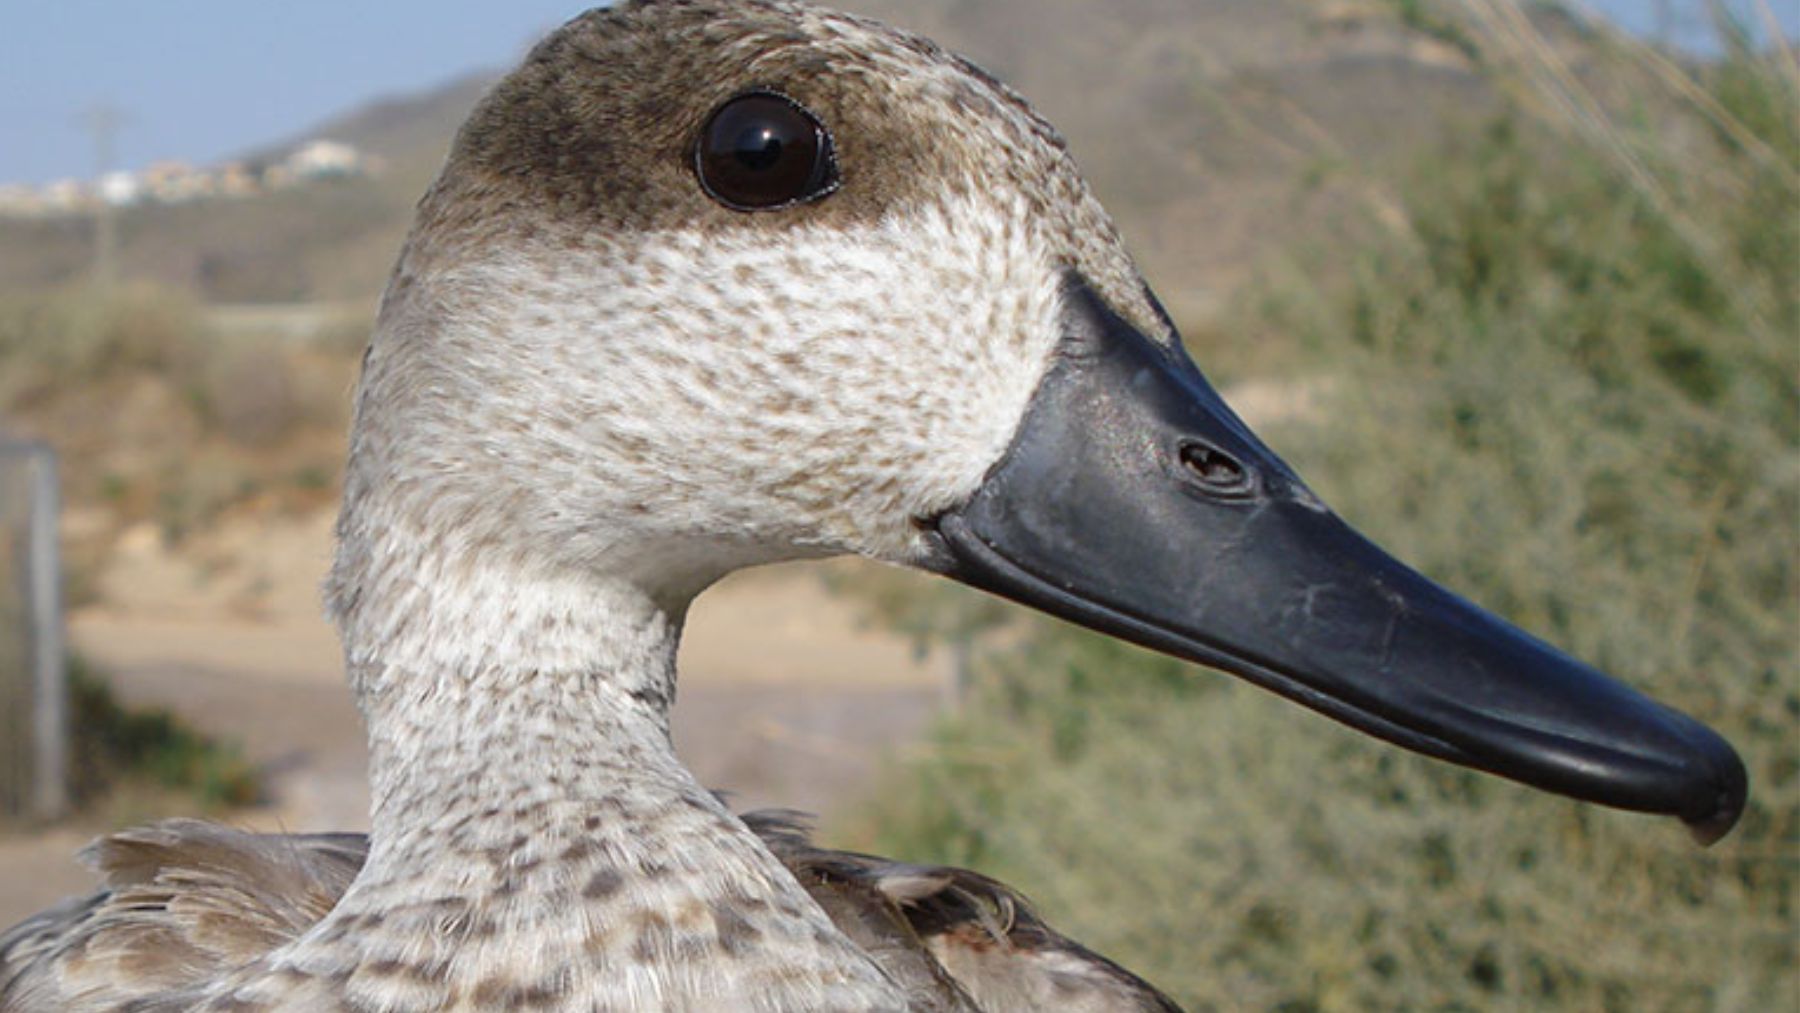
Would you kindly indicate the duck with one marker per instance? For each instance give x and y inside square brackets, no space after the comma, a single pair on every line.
[711,284]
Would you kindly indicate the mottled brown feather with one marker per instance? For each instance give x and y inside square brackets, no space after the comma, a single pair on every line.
[184,900]
[978,932]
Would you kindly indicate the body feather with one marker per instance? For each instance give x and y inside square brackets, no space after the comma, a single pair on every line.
[184,901]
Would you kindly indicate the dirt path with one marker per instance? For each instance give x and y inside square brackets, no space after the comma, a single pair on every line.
[785,698]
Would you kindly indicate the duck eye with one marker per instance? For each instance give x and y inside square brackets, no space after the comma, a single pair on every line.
[762,151]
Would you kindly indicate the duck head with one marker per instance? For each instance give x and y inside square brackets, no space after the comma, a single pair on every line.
[710,283]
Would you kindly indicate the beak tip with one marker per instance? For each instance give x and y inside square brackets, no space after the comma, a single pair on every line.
[1731,794]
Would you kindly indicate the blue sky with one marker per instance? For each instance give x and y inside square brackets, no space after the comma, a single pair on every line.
[203,79]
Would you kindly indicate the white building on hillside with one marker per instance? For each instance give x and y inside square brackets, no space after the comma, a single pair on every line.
[320,158]
[120,189]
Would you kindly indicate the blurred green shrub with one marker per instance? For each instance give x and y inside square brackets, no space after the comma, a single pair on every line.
[117,751]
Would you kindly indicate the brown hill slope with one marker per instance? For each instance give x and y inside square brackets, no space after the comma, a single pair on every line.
[1213,129]
[1195,119]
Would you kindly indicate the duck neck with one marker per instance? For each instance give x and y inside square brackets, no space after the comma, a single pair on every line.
[498,687]
[512,716]
[531,824]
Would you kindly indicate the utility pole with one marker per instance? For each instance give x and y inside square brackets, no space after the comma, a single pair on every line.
[102,122]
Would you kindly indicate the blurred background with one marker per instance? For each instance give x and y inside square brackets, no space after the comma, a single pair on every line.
[1516,286]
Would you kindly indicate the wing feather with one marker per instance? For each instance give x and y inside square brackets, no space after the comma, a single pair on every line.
[981,934]
[184,901]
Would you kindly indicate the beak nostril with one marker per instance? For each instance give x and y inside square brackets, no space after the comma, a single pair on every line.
[1216,472]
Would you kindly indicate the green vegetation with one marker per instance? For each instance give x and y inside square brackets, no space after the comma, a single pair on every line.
[1426,19]
[139,753]
[127,763]
[1565,385]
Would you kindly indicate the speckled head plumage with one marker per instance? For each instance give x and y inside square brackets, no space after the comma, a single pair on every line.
[594,388]
[586,360]
[598,126]
[587,366]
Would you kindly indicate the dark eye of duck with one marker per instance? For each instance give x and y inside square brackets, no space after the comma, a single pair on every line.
[762,151]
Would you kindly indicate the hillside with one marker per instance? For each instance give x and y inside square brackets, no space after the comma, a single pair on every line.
[1194,119]
[409,131]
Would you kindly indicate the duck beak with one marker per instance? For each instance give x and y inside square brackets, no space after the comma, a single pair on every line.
[1134,502]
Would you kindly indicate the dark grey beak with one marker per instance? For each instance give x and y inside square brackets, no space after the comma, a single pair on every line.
[1134,502]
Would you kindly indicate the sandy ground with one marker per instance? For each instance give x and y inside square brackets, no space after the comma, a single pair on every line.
[786,698]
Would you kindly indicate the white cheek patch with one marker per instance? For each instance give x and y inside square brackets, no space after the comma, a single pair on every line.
[814,388]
